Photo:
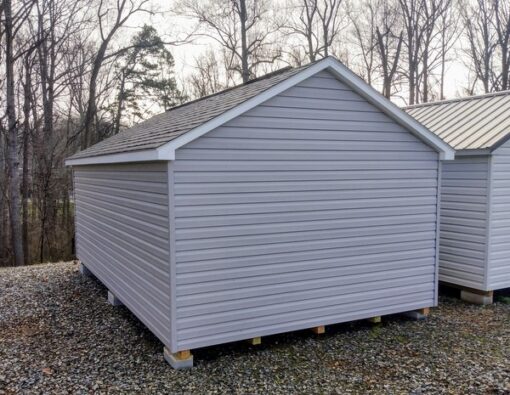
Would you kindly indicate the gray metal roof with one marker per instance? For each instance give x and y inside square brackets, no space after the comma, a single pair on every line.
[165,127]
[475,122]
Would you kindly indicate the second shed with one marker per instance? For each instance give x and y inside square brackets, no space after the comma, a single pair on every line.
[475,204]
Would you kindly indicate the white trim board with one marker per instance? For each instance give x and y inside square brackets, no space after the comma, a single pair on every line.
[167,151]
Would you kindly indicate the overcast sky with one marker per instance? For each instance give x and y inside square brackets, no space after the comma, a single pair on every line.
[173,27]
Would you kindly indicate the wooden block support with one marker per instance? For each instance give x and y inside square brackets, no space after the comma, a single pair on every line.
[375,320]
[255,341]
[425,311]
[319,330]
[184,354]
[179,360]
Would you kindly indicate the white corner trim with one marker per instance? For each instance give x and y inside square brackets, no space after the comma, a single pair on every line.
[123,157]
[167,151]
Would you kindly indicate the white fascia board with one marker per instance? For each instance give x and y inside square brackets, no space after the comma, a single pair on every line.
[123,157]
[473,152]
[167,151]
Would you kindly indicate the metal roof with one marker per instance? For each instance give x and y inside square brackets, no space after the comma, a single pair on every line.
[475,122]
[169,125]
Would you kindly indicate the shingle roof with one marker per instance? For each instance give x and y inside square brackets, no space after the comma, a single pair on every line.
[476,122]
[173,123]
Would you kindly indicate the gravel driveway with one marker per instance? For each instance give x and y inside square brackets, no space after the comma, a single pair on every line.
[58,334]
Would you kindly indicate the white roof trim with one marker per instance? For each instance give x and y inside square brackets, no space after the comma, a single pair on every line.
[473,152]
[342,73]
[122,157]
[167,151]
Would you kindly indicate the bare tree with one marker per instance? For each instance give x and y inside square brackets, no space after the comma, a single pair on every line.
[13,20]
[207,77]
[122,11]
[389,46]
[502,27]
[482,39]
[363,19]
[240,27]
[319,23]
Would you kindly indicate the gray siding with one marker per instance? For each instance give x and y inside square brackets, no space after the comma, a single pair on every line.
[499,251]
[464,208]
[314,208]
[122,236]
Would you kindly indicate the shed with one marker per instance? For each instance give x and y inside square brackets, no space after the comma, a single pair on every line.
[297,200]
[475,206]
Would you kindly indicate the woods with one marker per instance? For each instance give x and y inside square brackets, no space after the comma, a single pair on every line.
[75,72]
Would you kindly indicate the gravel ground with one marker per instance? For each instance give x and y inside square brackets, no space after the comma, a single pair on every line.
[58,334]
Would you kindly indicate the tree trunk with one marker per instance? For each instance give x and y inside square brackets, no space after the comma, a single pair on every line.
[27,91]
[244,46]
[12,140]
[91,104]
[120,103]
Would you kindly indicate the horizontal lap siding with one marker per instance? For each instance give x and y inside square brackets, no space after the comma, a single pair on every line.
[313,208]
[499,251]
[463,242]
[122,236]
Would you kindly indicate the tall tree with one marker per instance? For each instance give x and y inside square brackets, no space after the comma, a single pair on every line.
[108,25]
[388,46]
[482,40]
[145,78]
[12,23]
[241,27]
[318,22]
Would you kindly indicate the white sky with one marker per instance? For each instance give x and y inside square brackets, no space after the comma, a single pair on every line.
[172,27]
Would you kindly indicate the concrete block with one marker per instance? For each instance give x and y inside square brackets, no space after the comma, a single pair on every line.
[176,362]
[482,298]
[84,271]
[415,315]
[113,300]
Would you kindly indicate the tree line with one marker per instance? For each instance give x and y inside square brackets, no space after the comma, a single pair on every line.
[74,72]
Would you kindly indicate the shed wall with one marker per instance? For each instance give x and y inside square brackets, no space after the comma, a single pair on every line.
[464,211]
[122,236]
[313,208]
[499,250]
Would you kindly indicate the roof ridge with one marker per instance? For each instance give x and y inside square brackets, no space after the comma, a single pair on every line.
[262,77]
[459,99]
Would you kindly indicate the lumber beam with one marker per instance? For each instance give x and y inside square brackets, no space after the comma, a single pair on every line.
[319,330]
[375,320]
[255,341]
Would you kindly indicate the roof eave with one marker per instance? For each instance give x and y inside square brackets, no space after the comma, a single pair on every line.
[473,152]
[167,151]
[148,155]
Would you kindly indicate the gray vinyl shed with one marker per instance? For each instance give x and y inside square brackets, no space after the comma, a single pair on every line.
[475,206]
[298,200]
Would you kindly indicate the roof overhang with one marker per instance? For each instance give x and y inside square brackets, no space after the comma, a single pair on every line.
[167,151]
[473,152]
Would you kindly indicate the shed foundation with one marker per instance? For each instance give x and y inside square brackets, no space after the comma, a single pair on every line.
[113,300]
[481,298]
[84,271]
[178,360]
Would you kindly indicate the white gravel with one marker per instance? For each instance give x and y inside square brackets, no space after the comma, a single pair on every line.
[58,334]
